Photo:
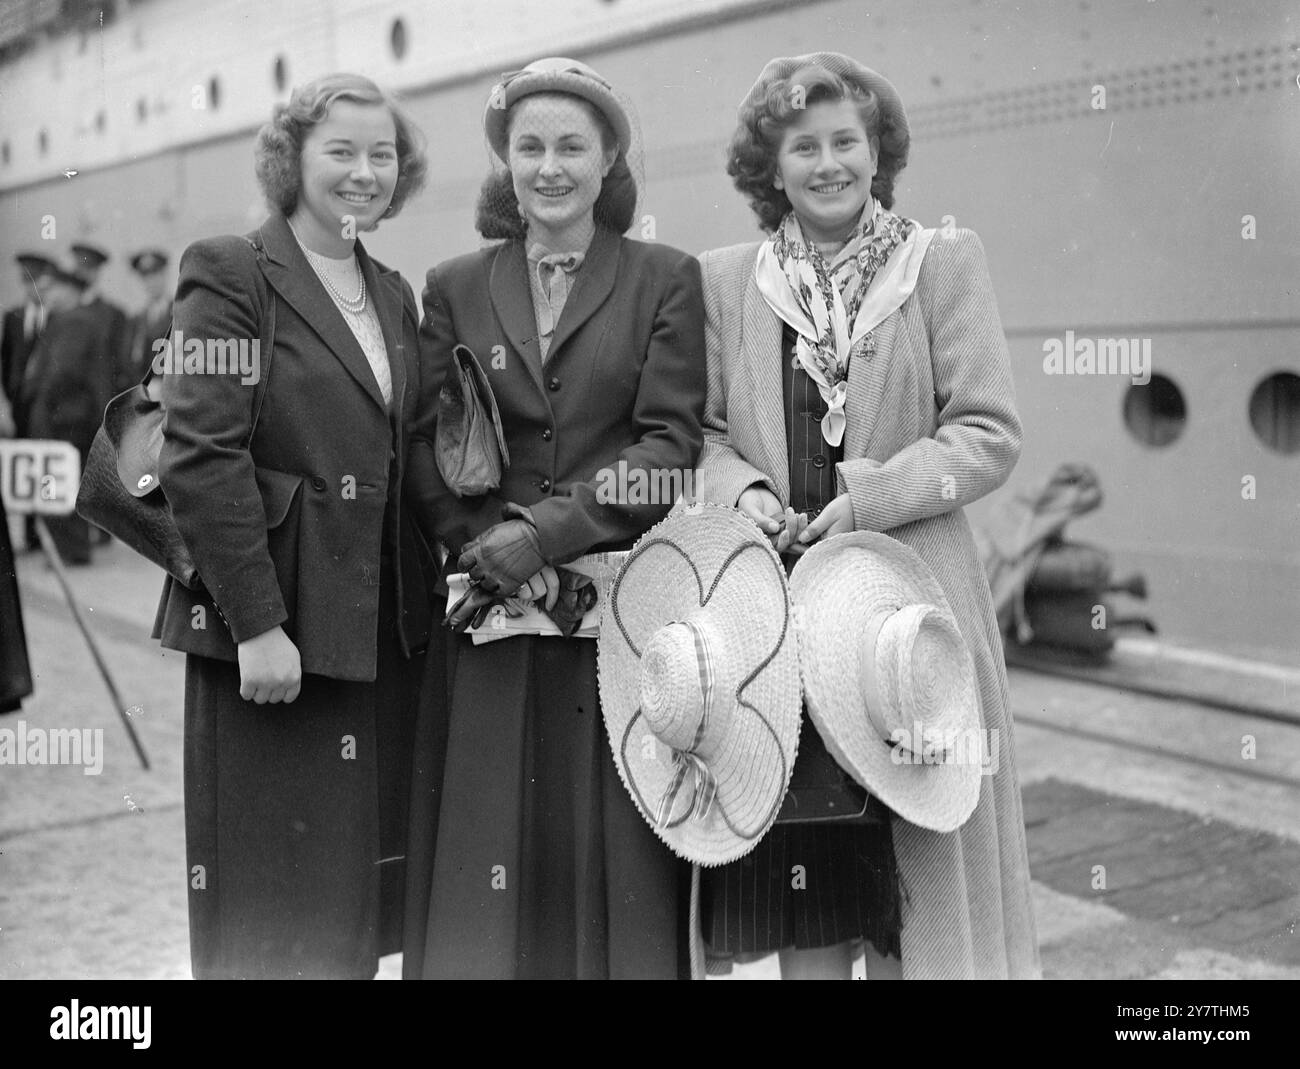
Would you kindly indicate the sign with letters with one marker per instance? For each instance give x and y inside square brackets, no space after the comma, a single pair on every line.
[38,476]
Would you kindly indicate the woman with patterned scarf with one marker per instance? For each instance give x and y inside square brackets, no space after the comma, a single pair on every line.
[859,380]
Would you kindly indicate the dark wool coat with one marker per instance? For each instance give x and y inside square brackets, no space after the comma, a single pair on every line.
[296,814]
[290,531]
[530,788]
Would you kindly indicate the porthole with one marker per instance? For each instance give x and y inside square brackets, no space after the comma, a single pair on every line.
[141,109]
[1155,413]
[43,142]
[4,153]
[280,72]
[100,122]
[397,39]
[1275,412]
[214,92]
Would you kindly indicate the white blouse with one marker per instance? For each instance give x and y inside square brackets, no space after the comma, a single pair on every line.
[345,275]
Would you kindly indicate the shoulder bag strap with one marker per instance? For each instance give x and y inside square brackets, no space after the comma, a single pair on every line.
[267,348]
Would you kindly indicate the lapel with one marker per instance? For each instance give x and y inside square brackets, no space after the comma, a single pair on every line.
[287,270]
[512,298]
[866,390]
[594,284]
[386,286]
[760,346]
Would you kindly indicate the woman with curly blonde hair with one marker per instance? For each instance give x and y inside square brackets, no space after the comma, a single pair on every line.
[305,643]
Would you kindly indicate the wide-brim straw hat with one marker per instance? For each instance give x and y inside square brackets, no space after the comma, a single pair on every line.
[699,682]
[786,67]
[888,679]
[555,74]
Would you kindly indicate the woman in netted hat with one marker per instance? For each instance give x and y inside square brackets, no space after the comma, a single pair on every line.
[594,348]
[859,380]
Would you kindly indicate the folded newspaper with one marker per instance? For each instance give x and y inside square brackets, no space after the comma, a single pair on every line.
[499,624]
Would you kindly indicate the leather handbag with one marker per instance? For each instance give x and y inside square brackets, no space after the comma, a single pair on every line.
[120,490]
[470,443]
[821,792]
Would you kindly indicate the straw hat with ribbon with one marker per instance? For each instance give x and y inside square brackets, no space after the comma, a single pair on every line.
[699,682]
[888,679]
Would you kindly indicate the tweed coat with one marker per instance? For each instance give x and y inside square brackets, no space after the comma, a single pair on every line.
[931,426]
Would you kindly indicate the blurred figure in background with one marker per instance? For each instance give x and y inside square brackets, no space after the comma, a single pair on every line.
[151,322]
[15,668]
[19,332]
[65,387]
[87,261]
[22,328]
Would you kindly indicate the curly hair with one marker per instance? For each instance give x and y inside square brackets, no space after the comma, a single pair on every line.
[496,215]
[278,154]
[752,154]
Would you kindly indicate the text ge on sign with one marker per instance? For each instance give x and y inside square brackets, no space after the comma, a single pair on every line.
[39,476]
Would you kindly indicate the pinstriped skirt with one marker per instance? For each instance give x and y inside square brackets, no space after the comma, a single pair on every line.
[805,885]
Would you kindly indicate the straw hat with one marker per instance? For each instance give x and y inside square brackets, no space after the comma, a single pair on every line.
[553,75]
[699,682]
[888,679]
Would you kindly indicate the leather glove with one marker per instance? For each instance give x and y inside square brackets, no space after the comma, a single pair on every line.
[577,598]
[470,610]
[504,557]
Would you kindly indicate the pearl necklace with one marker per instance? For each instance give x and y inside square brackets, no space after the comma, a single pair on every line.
[321,265]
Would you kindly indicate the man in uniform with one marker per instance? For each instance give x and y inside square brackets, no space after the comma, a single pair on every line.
[87,262]
[67,384]
[22,326]
[152,321]
[19,331]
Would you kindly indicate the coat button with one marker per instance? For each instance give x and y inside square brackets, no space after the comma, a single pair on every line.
[145,480]
[554,384]
[547,435]
[545,486]
[819,461]
[317,483]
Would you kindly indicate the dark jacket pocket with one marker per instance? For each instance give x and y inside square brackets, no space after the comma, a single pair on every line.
[278,489]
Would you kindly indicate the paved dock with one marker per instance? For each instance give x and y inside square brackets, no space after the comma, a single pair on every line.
[1189,815]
